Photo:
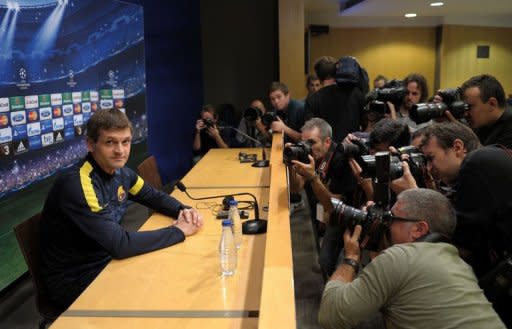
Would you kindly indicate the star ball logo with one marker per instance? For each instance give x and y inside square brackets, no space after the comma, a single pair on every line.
[71,82]
[23,74]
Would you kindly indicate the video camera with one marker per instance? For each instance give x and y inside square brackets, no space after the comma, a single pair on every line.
[299,152]
[376,220]
[451,102]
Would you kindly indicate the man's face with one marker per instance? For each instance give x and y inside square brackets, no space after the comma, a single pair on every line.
[112,149]
[319,148]
[442,164]
[208,116]
[279,100]
[413,95]
[313,86]
[402,231]
[479,114]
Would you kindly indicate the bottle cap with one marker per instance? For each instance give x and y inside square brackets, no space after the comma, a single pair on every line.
[227,222]
[233,202]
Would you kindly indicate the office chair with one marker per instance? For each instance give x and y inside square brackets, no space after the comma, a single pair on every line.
[29,240]
[148,170]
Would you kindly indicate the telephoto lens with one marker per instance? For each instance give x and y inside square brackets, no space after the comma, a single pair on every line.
[299,152]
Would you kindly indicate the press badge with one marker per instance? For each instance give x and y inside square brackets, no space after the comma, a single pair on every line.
[320,213]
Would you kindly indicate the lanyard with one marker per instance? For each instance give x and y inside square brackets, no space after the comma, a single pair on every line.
[323,166]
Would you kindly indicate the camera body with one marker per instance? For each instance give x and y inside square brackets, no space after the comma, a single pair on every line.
[208,123]
[376,220]
[252,114]
[268,118]
[299,152]
[416,160]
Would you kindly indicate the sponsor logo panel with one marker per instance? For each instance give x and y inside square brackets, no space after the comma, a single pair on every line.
[20,146]
[58,124]
[33,115]
[46,126]
[67,98]
[56,99]
[31,102]
[17,103]
[4,120]
[18,118]
[78,120]
[86,107]
[77,108]
[57,111]
[94,96]
[45,113]
[6,149]
[67,110]
[4,104]
[45,100]
[47,139]
[34,142]
[106,104]
[58,136]
[76,97]
[19,132]
[33,129]
[5,135]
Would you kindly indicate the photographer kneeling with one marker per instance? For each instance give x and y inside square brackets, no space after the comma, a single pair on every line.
[419,282]
[316,166]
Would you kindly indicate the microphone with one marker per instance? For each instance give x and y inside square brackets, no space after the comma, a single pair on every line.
[258,164]
[248,227]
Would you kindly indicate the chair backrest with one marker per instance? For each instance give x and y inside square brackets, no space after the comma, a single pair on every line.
[28,235]
[148,170]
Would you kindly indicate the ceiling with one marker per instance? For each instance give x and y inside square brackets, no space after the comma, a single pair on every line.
[378,13]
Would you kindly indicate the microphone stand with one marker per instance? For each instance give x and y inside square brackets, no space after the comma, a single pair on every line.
[257,219]
[260,163]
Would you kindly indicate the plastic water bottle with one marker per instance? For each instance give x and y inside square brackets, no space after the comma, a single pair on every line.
[227,249]
[234,215]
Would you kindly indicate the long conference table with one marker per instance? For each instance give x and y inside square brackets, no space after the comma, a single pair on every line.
[181,286]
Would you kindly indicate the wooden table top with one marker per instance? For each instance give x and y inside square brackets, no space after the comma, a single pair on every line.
[221,168]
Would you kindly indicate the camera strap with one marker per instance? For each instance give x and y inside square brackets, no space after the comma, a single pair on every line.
[323,166]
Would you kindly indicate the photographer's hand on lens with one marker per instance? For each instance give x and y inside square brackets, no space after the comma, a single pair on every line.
[450,116]
[405,182]
[349,138]
[278,126]
[200,124]
[392,111]
[306,170]
[365,183]
[351,243]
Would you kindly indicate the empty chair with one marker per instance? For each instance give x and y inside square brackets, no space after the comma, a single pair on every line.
[29,240]
[148,170]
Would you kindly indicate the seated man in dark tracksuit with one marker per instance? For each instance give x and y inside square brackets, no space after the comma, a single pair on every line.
[80,230]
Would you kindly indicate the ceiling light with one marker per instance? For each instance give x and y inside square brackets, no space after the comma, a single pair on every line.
[437,4]
[409,15]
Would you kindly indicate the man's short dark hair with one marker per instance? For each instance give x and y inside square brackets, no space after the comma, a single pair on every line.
[489,87]
[447,132]
[394,132]
[311,77]
[430,206]
[106,120]
[380,77]
[422,84]
[325,68]
[278,86]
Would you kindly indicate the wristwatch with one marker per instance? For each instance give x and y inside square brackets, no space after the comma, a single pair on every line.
[353,263]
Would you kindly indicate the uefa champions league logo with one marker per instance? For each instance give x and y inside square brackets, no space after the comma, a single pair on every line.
[71,82]
[23,74]
[111,78]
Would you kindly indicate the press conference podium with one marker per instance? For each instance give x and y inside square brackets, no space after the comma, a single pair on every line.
[181,286]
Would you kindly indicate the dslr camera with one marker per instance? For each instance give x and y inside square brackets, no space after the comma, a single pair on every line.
[268,118]
[393,92]
[299,152]
[252,114]
[359,147]
[416,160]
[451,102]
[208,123]
[376,220]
